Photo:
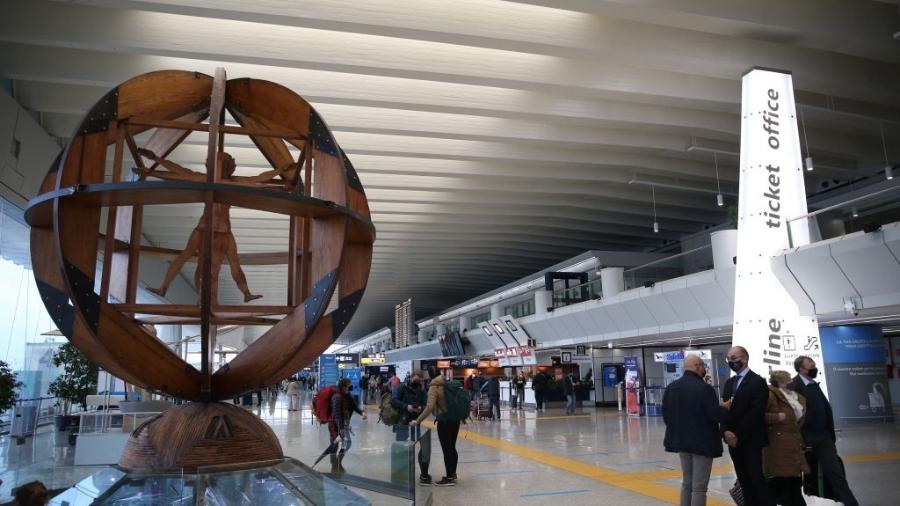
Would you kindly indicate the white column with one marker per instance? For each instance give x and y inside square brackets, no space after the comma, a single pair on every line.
[724,248]
[542,300]
[612,281]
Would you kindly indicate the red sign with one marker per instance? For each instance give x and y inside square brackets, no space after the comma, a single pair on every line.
[524,351]
[499,352]
[443,364]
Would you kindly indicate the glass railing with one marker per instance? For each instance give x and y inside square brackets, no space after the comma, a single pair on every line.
[867,212]
[675,266]
[575,294]
[387,477]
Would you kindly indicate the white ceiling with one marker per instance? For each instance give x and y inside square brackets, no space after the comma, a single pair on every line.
[493,138]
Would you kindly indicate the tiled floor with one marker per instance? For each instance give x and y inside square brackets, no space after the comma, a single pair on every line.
[596,457]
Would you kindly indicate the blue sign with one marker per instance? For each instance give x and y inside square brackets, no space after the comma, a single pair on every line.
[610,375]
[854,357]
[355,375]
[328,370]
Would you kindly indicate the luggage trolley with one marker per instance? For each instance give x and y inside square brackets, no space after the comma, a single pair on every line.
[481,407]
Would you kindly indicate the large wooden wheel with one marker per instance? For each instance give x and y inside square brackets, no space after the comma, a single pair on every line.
[330,230]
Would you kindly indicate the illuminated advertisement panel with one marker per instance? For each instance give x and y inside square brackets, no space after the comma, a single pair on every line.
[767,321]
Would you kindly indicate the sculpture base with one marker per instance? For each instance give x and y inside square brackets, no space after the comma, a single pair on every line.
[199,434]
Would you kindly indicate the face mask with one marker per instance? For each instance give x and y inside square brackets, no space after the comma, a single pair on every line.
[736,366]
[812,373]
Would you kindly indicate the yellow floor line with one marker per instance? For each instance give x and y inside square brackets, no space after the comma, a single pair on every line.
[539,418]
[603,475]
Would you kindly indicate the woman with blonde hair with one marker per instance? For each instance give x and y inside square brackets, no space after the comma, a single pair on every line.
[784,460]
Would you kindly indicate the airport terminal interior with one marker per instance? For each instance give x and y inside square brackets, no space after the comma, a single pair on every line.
[246,247]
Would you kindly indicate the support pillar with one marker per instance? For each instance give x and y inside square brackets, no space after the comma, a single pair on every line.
[612,281]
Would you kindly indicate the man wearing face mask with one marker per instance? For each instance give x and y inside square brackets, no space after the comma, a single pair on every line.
[744,427]
[410,399]
[818,428]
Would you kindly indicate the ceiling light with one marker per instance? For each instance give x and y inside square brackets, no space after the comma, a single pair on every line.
[854,212]
[720,201]
[653,199]
[888,170]
[808,160]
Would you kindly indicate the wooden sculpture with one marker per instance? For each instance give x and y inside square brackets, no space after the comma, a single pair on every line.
[329,232]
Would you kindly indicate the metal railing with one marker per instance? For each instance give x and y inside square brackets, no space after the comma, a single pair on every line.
[45,409]
[575,294]
[859,213]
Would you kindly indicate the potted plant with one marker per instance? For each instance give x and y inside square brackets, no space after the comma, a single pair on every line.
[8,385]
[78,380]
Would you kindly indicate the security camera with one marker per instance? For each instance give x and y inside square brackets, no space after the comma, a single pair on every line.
[850,307]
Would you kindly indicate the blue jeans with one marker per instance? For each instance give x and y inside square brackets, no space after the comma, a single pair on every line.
[570,403]
[492,403]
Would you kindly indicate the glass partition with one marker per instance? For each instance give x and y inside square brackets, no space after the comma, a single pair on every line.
[692,261]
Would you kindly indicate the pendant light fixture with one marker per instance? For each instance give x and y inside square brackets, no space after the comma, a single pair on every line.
[720,200]
[888,170]
[808,161]
[653,199]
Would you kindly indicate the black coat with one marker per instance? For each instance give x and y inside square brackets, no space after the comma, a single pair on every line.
[747,416]
[493,388]
[692,414]
[539,382]
[812,435]
[405,395]
[568,386]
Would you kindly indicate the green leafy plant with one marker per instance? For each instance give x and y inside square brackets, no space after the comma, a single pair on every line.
[79,378]
[8,385]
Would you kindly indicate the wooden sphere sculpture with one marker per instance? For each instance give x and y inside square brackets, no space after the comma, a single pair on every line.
[86,230]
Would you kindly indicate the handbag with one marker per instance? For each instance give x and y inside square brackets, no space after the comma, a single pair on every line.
[737,494]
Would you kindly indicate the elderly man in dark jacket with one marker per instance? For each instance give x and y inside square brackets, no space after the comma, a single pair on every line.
[692,412]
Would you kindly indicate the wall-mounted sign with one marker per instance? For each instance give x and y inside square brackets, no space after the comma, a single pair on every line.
[371,359]
[566,357]
[443,364]
[346,360]
[678,355]
[527,355]
[580,350]
[767,320]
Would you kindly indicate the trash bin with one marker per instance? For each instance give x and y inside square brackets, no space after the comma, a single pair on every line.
[23,420]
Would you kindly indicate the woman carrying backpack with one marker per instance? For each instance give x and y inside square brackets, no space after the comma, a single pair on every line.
[448,430]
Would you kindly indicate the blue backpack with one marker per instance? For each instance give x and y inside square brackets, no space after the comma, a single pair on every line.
[458,403]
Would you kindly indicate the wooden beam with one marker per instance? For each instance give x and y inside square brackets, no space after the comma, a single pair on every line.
[225,129]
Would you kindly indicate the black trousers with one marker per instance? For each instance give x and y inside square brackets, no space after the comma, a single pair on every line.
[826,453]
[539,399]
[447,434]
[748,467]
[787,491]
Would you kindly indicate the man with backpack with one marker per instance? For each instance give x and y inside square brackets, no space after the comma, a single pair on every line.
[450,405]
[334,405]
[409,399]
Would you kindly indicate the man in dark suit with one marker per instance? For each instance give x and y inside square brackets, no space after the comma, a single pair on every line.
[744,428]
[818,428]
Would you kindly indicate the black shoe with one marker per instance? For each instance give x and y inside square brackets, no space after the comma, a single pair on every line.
[425,479]
[445,482]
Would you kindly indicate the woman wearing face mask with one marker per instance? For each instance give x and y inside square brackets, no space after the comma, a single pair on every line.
[784,460]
